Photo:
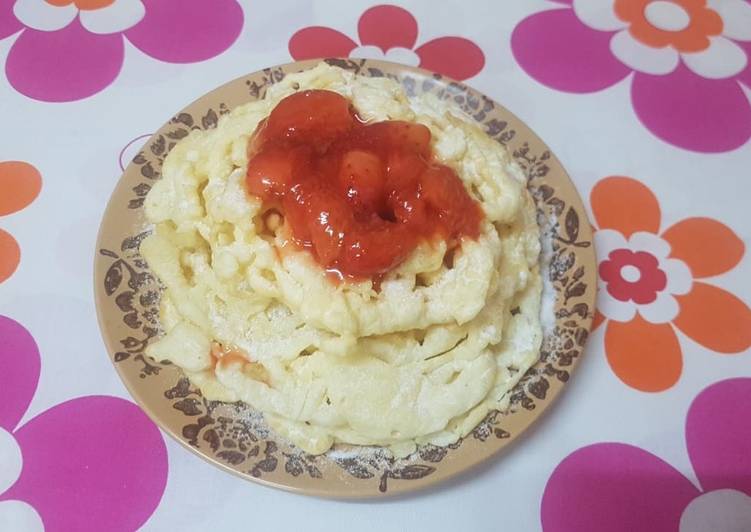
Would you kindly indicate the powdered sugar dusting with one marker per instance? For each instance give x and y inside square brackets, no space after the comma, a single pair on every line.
[378,457]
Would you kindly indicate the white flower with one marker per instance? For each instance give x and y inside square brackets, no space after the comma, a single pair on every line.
[653,36]
[638,275]
[97,16]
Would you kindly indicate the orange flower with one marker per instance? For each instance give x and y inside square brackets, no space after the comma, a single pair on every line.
[649,284]
[19,185]
[691,35]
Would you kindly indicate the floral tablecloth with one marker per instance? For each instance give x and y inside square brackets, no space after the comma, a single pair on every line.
[646,102]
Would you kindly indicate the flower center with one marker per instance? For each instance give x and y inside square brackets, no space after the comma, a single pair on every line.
[685,25]
[86,5]
[630,273]
[667,16]
[10,458]
[633,276]
[719,511]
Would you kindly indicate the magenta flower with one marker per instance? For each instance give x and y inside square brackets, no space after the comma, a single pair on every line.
[687,59]
[70,49]
[91,463]
[622,488]
[390,33]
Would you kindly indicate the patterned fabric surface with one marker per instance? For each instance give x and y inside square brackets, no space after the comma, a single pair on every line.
[646,102]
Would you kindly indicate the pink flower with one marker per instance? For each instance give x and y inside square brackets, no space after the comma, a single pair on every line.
[70,49]
[621,488]
[91,463]
[390,33]
[687,60]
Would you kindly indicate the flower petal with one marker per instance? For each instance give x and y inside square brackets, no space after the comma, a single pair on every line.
[626,205]
[598,14]
[91,463]
[725,509]
[558,50]
[10,255]
[607,240]
[715,319]
[723,59]
[65,65]
[9,24]
[186,31]
[706,245]
[662,310]
[736,18]
[630,11]
[20,184]
[614,309]
[641,57]
[745,76]
[679,276]
[317,41]
[116,17]
[387,26]
[614,487]
[692,112]
[370,51]
[44,16]
[649,242]
[453,56]
[405,56]
[19,517]
[19,371]
[644,355]
[12,460]
[718,436]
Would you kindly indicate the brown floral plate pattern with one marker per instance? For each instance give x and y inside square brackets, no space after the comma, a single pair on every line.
[233,436]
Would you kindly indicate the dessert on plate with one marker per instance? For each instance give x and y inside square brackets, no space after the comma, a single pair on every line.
[359,266]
